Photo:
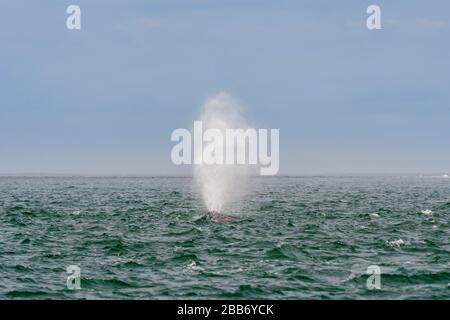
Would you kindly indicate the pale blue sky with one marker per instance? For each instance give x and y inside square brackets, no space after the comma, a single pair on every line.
[106,99]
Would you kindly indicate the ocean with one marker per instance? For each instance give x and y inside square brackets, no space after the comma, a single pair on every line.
[299,237]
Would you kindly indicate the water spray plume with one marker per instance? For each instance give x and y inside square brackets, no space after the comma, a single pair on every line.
[221,184]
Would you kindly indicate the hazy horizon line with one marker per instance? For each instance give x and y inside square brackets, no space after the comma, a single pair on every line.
[47,174]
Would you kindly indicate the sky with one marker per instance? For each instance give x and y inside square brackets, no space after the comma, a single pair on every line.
[105,99]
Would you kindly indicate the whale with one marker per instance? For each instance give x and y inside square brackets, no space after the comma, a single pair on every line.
[218,217]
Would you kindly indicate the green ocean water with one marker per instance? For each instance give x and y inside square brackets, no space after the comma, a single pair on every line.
[294,238]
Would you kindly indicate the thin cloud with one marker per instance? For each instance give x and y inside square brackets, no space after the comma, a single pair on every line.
[421,23]
[433,23]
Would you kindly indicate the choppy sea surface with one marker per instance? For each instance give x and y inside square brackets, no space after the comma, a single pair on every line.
[294,238]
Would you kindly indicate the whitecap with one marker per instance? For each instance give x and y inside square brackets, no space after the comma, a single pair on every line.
[396,243]
[192,266]
[427,212]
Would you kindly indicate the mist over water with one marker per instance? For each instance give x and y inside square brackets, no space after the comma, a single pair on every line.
[222,185]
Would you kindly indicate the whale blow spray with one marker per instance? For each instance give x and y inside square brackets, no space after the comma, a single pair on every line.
[221,184]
